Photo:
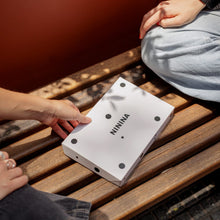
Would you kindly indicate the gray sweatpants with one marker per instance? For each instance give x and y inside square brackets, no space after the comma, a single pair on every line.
[27,203]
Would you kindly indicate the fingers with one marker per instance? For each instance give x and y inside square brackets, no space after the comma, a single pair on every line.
[3,166]
[12,177]
[60,124]
[65,116]
[150,19]
[69,111]
[66,125]
[14,173]
[79,117]
[171,22]
[146,17]
[7,164]
[74,123]
[83,119]
[57,129]
[17,183]
[3,155]
[10,163]
[153,20]
[153,17]
[171,13]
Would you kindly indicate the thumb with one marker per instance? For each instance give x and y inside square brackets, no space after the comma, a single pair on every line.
[66,110]
[82,118]
[171,22]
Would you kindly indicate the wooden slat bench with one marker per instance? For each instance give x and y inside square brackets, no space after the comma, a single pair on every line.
[187,150]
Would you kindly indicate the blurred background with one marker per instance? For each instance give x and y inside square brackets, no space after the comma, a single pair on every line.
[45,40]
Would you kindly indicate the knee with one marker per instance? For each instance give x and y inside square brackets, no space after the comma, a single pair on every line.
[167,51]
[147,49]
[152,49]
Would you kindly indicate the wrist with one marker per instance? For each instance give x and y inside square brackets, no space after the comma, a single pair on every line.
[39,109]
[15,105]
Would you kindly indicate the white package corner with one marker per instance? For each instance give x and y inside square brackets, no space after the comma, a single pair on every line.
[125,123]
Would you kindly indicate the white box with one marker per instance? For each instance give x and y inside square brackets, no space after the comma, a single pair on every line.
[125,122]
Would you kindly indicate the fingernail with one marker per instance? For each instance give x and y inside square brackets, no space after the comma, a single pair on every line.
[86,120]
[139,36]
[89,119]
[2,156]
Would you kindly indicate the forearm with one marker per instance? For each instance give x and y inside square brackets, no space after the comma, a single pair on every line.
[15,105]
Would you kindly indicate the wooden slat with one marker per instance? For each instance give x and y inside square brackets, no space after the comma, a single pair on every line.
[183,150]
[90,75]
[31,144]
[160,187]
[153,163]
[156,87]
[13,129]
[69,177]
[181,155]
[183,122]
[173,162]
[82,99]
[183,100]
[45,163]
[51,166]
[85,98]
[89,96]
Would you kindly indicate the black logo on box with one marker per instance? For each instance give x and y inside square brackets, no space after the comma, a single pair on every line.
[119,124]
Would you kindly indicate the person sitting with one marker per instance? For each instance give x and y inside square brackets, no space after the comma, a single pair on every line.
[181,44]
[18,200]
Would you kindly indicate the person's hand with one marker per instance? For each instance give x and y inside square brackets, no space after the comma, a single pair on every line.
[64,114]
[11,177]
[171,13]
[15,105]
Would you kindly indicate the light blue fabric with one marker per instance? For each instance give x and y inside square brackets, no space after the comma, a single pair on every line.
[187,57]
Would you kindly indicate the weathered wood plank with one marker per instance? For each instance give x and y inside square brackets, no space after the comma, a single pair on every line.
[184,121]
[86,77]
[178,145]
[87,97]
[69,177]
[40,165]
[31,144]
[175,102]
[102,191]
[13,129]
[160,187]
[181,148]
[183,100]
[44,163]
[156,87]
[82,99]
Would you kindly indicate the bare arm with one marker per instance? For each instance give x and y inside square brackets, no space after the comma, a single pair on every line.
[15,105]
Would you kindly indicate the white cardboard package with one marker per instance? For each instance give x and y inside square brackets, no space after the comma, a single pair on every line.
[125,123]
